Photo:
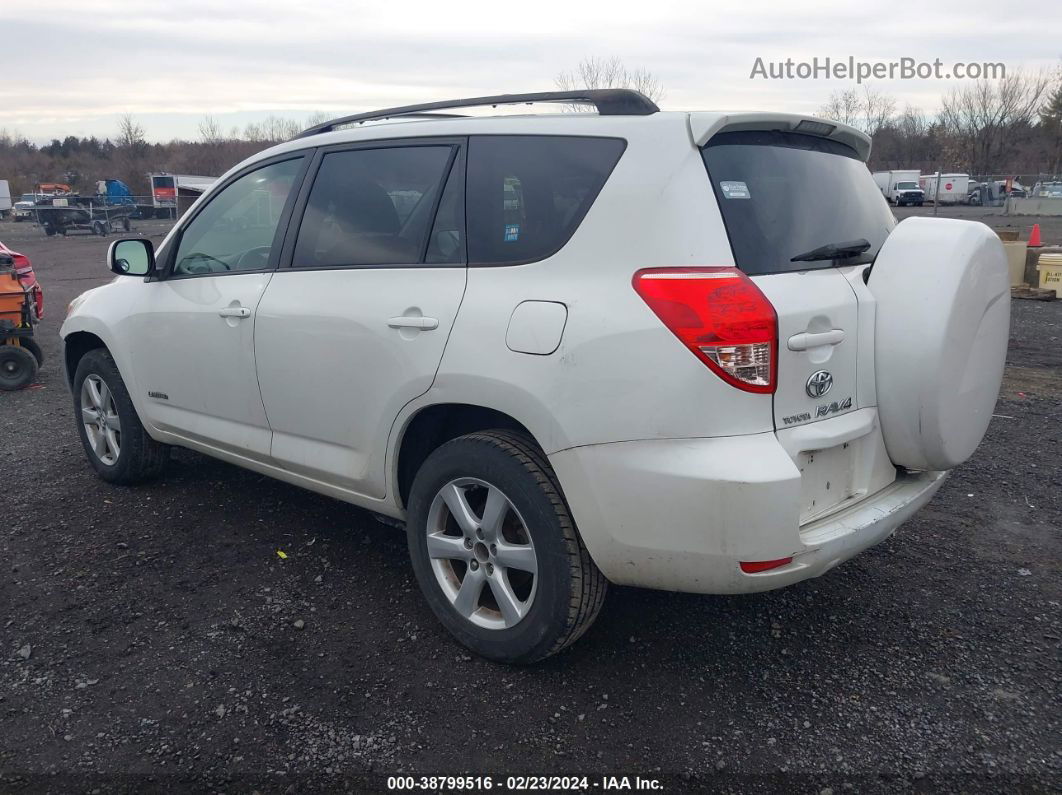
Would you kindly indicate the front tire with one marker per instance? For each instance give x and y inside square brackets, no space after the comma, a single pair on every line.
[496,552]
[115,442]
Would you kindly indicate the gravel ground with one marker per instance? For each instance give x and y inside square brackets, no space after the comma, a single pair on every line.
[153,640]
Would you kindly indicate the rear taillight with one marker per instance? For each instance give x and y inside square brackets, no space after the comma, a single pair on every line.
[721,316]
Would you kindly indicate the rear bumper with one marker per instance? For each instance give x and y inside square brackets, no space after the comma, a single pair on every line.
[681,514]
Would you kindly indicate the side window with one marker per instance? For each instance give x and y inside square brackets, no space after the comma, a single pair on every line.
[374,207]
[235,231]
[528,194]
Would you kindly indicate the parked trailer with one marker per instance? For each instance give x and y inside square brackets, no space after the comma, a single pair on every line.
[61,214]
[5,198]
[173,193]
[24,207]
[900,186]
[115,192]
[954,188]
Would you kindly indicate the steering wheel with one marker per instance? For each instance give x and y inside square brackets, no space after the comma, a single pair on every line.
[187,267]
[247,259]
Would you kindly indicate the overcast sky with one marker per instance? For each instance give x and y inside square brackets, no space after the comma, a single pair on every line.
[72,67]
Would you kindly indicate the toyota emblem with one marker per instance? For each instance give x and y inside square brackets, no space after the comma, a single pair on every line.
[819,384]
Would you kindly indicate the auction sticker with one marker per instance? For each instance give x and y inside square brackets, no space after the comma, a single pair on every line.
[735,190]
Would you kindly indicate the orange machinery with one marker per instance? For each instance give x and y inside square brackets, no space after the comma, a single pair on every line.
[19,352]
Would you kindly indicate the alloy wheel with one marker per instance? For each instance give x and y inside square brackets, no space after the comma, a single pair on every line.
[99,415]
[481,553]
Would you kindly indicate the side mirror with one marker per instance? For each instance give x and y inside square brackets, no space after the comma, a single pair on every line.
[133,256]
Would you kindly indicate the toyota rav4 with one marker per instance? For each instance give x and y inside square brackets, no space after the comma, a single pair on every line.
[565,349]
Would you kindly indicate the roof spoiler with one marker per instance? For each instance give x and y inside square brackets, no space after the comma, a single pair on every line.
[705,125]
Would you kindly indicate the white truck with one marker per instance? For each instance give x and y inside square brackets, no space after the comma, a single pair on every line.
[954,188]
[900,187]
[5,198]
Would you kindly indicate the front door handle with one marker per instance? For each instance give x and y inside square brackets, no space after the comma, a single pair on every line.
[234,311]
[812,339]
[417,322]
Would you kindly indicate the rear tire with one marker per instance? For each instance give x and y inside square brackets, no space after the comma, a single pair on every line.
[115,442]
[18,368]
[556,604]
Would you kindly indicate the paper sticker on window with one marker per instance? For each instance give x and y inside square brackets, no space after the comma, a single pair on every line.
[512,233]
[735,190]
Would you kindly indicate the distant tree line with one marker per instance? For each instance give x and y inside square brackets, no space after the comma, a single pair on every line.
[130,157]
[1011,126]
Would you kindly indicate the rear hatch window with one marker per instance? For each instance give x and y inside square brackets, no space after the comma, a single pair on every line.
[785,194]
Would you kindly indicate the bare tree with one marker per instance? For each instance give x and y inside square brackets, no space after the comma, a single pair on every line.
[271,130]
[843,106]
[869,110]
[1051,121]
[210,131]
[912,123]
[130,133]
[597,72]
[877,110]
[213,155]
[989,118]
[131,152]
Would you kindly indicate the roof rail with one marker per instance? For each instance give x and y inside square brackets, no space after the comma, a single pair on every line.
[608,101]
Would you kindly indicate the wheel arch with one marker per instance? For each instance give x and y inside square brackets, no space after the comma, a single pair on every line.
[75,346]
[432,426]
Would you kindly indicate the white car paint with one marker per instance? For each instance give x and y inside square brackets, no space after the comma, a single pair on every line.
[341,333]
[200,362]
[673,475]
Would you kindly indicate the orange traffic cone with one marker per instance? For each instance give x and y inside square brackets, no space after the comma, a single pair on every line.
[1034,237]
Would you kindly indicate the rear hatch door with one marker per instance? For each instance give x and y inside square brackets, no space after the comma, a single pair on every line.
[803,214]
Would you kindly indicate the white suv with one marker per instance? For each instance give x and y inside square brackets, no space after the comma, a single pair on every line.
[688,351]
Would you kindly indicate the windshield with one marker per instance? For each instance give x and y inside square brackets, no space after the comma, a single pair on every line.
[906,185]
[27,197]
[784,194]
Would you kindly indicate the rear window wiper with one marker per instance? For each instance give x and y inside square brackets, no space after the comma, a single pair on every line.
[833,251]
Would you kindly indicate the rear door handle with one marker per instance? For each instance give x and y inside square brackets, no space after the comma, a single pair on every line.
[811,339]
[418,322]
[234,311]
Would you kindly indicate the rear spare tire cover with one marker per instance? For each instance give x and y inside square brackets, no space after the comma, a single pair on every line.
[941,332]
